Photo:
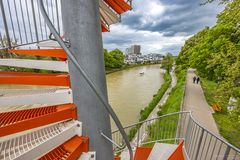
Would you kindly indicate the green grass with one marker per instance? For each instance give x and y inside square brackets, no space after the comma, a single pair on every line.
[209,88]
[148,109]
[227,128]
[174,100]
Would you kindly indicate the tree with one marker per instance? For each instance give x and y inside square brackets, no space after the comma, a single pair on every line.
[215,53]
[167,62]
[113,59]
[118,57]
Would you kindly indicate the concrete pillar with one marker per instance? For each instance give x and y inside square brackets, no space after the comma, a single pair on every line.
[81,23]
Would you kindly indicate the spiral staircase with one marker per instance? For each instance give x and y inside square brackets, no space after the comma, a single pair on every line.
[41,123]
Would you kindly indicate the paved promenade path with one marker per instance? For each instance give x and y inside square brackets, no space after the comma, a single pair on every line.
[195,101]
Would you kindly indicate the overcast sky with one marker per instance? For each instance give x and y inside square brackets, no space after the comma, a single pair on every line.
[160,26]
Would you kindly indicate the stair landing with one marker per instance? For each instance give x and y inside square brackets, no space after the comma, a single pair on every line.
[162,151]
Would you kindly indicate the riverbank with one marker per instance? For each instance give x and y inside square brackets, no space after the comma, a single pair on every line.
[173,104]
[174,101]
[144,114]
[228,128]
[127,66]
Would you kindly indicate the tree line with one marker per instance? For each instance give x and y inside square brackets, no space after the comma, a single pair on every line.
[215,53]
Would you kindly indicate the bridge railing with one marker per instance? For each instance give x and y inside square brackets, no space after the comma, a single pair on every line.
[199,143]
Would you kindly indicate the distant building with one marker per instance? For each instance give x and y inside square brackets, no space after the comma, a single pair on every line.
[138,58]
[134,49]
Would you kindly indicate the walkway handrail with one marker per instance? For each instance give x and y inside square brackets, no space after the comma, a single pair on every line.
[200,143]
[86,77]
[216,136]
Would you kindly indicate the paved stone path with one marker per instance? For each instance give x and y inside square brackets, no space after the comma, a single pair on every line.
[195,101]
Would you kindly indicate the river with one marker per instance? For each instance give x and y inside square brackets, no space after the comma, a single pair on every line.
[129,92]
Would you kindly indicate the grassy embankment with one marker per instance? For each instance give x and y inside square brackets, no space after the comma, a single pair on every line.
[173,104]
[148,109]
[228,128]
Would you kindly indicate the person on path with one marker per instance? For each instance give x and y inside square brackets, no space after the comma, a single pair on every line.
[198,79]
[194,79]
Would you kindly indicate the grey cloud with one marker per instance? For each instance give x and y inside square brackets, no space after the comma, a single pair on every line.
[178,19]
[114,40]
[174,49]
[180,16]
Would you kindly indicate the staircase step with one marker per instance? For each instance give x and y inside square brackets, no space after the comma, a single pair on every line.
[162,151]
[17,121]
[88,156]
[27,78]
[142,153]
[16,99]
[104,27]
[107,14]
[119,6]
[60,66]
[34,143]
[58,53]
[117,158]
[70,150]
[178,153]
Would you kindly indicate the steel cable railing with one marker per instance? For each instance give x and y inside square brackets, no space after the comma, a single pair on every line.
[85,76]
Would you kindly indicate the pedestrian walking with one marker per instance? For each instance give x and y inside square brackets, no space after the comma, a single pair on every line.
[194,79]
[198,79]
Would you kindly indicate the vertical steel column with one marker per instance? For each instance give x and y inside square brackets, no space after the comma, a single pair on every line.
[81,23]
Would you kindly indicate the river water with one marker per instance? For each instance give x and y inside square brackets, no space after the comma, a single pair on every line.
[129,91]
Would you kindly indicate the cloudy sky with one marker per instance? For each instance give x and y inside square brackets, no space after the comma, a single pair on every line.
[160,26]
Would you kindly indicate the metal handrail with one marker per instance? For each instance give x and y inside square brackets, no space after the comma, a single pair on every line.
[98,92]
[197,138]
[110,140]
[200,144]
[216,136]
[148,120]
